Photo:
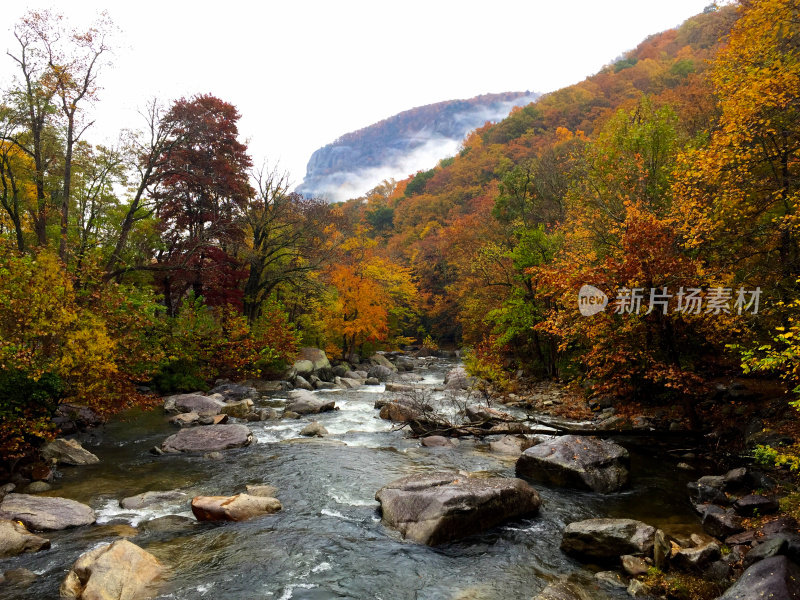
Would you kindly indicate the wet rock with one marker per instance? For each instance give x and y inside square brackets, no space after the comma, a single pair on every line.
[232,392]
[288,414]
[265,491]
[233,508]
[324,385]
[637,589]
[746,537]
[68,452]
[434,508]
[189,419]
[400,412]
[168,524]
[146,499]
[380,373]
[213,420]
[314,429]
[719,522]
[303,402]
[20,578]
[317,358]
[37,487]
[43,513]
[301,384]
[16,539]
[698,558]
[485,414]
[340,370]
[633,565]
[661,550]
[511,445]
[400,388]
[208,439]
[607,539]
[708,489]
[438,441]
[380,360]
[70,418]
[458,379]
[238,409]
[213,455]
[372,381]
[184,403]
[736,479]
[120,570]
[348,384]
[405,364]
[780,525]
[754,504]
[611,578]
[776,578]
[577,461]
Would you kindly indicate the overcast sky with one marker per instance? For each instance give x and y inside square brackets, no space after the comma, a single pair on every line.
[303,73]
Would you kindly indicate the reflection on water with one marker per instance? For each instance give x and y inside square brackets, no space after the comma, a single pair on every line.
[328,541]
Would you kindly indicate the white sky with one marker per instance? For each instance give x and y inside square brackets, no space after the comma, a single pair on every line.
[302,73]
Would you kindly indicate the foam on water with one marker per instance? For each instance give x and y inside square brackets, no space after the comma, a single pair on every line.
[112,511]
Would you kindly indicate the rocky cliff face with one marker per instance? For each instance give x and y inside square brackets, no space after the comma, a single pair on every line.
[401,145]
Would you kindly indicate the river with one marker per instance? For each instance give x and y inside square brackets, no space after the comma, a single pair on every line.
[328,541]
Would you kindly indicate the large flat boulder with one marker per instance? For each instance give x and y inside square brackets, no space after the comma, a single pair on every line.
[43,513]
[304,402]
[208,439]
[458,379]
[197,403]
[68,452]
[434,508]
[233,508]
[119,571]
[309,360]
[776,578]
[15,539]
[607,539]
[582,462]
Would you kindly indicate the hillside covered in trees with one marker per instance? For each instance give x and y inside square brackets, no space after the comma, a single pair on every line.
[667,181]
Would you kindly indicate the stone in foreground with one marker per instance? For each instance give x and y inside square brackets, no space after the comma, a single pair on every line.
[582,462]
[208,439]
[43,513]
[120,570]
[146,499]
[434,508]
[776,578]
[15,539]
[68,452]
[607,539]
[233,508]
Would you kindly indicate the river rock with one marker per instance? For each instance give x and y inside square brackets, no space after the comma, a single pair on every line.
[184,403]
[233,508]
[564,590]
[487,415]
[265,491]
[400,412]
[310,360]
[347,383]
[698,558]
[438,441]
[661,550]
[146,499]
[776,578]
[607,539]
[633,565]
[120,570]
[434,508]
[400,388]
[189,419]
[511,445]
[710,488]
[70,418]
[20,578]
[380,373]
[15,539]
[755,504]
[458,379]
[37,487]
[314,429]
[238,409]
[577,461]
[301,383]
[303,402]
[719,522]
[43,513]
[381,361]
[168,524]
[68,452]
[208,439]
[232,392]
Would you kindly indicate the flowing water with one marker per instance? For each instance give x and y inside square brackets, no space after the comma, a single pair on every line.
[328,541]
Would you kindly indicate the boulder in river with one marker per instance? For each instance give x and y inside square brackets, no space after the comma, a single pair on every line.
[184,403]
[776,578]
[233,508]
[146,499]
[607,539]
[208,439]
[15,539]
[381,361]
[380,373]
[511,445]
[238,409]
[718,521]
[458,379]
[120,570]
[310,360]
[44,513]
[583,462]
[232,392]
[563,589]
[303,402]
[314,429]
[68,452]
[434,508]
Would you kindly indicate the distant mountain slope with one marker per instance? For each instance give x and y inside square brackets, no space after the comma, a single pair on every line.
[402,144]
